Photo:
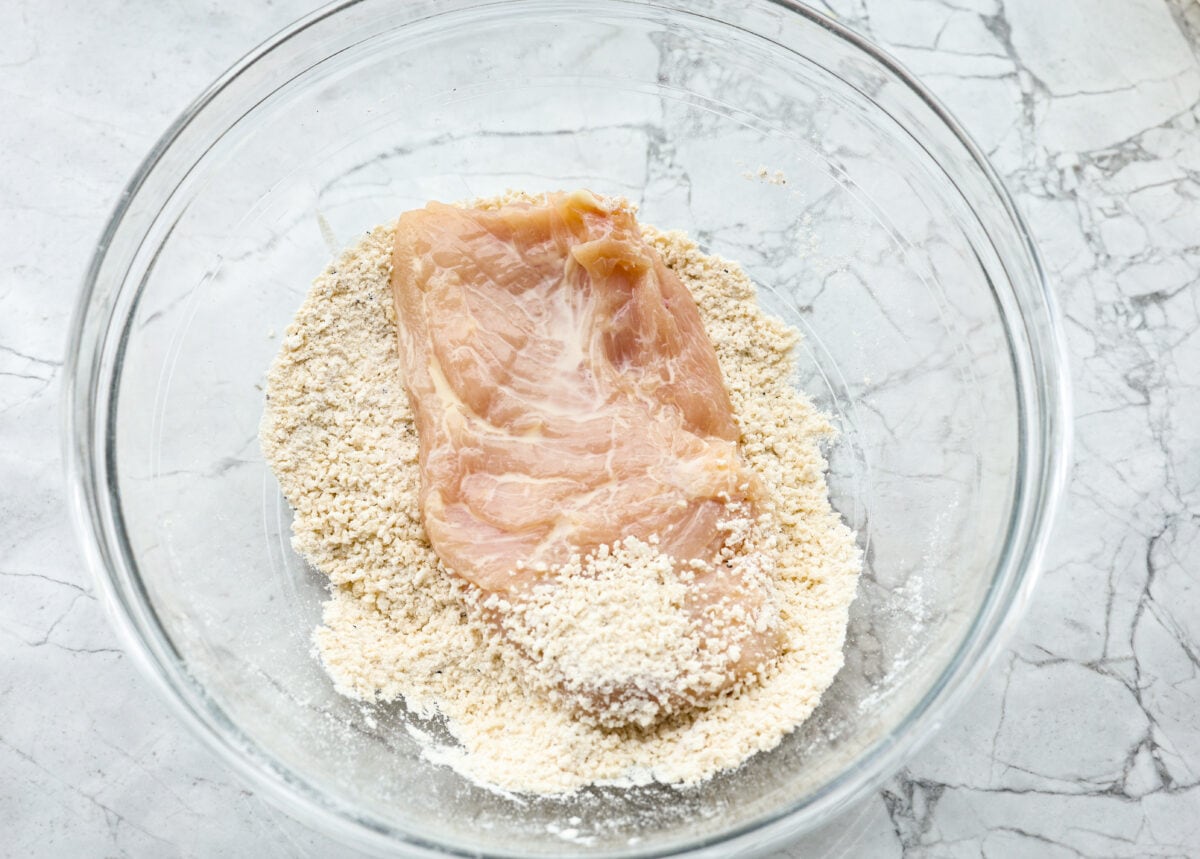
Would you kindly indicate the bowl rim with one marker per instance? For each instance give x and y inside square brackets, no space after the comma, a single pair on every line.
[132,613]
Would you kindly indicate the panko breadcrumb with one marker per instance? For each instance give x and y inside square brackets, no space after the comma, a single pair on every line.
[339,435]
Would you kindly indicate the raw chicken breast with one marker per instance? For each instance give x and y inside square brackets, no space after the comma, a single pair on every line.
[566,397]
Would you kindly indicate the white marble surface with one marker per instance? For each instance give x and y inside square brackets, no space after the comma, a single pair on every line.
[1084,740]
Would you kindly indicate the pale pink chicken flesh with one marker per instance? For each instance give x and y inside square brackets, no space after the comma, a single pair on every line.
[566,393]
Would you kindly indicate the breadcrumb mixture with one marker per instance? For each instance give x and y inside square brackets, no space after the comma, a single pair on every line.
[339,435]
[617,636]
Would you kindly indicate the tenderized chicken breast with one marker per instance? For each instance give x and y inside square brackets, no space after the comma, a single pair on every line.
[566,397]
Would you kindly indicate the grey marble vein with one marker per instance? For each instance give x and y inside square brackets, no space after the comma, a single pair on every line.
[1084,738]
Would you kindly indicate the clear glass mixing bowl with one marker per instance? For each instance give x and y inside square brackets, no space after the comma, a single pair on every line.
[771,134]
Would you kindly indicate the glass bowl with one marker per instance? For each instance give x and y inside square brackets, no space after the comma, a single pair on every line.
[772,135]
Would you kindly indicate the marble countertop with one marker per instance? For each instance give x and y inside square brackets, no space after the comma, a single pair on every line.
[1083,740]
